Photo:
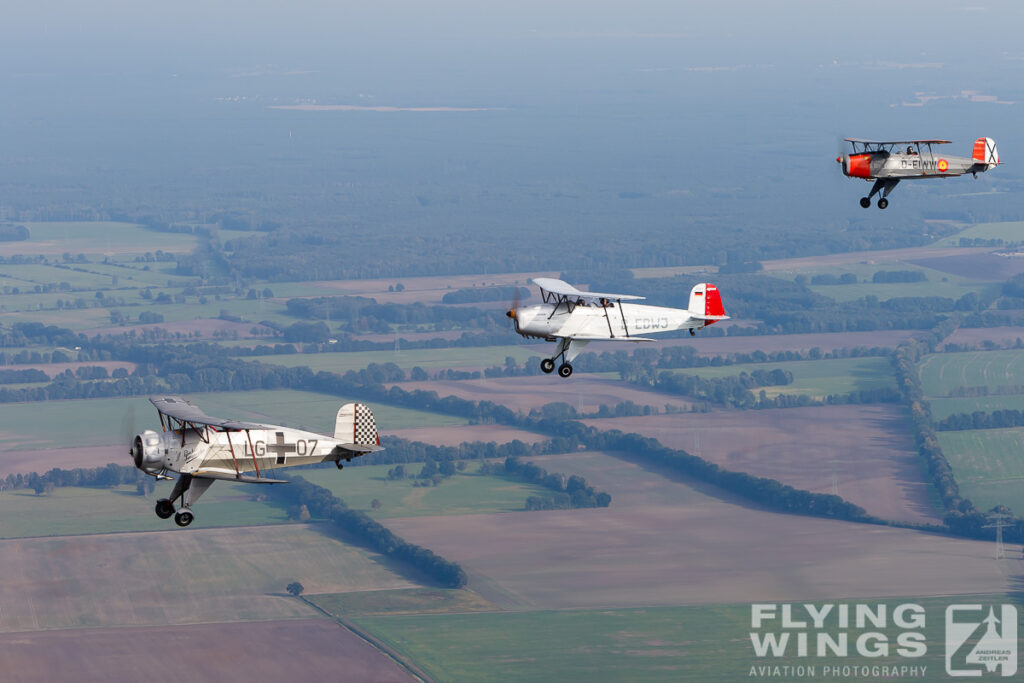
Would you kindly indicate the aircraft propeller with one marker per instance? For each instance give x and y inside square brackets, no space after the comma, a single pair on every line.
[514,309]
[843,156]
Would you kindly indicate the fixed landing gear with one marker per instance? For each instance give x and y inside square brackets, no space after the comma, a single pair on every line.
[183,517]
[865,202]
[164,508]
[882,203]
[547,366]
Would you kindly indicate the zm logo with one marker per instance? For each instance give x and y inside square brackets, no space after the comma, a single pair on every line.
[981,639]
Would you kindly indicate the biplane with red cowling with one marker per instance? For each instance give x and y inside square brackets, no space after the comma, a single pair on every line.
[574,318]
[202,449]
[889,162]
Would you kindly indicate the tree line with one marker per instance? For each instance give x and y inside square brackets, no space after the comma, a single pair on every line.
[367,531]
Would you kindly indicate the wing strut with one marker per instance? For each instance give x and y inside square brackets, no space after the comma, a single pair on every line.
[254,463]
[231,447]
[623,314]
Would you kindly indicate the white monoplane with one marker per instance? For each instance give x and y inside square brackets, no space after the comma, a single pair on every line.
[574,318]
[202,449]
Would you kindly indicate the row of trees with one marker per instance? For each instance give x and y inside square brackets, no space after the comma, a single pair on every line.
[997,419]
[367,531]
[570,492]
[962,517]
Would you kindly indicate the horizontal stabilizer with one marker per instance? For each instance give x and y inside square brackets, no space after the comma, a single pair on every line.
[231,476]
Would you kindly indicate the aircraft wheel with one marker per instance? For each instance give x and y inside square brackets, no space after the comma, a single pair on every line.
[184,517]
[164,508]
[547,366]
[693,332]
[882,203]
[564,370]
[865,202]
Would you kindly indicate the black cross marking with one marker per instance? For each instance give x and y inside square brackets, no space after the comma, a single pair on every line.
[281,449]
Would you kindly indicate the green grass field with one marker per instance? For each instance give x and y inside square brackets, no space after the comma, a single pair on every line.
[988,465]
[817,378]
[125,240]
[942,373]
[472,357]
[944,407]
[72,510]
[937,284]
[401,601]
[107,421]
[660,643]
[460,494]
[1012,231]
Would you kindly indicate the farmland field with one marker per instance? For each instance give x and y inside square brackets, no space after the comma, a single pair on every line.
[1000,371]
[92,238]
[696,549]
[586,392]
[706,643]
[300,651]
[1009,231]
[817,378]
[865,449]
[401,601]
[75,510]
[177,577]
[944,407]
[462,358]
[460,494]
[988,466]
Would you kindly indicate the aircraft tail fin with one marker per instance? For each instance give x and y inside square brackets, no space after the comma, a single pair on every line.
[985,152]
[706,303]
[355,424]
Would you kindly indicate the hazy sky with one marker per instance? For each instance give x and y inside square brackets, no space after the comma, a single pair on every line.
[733,94]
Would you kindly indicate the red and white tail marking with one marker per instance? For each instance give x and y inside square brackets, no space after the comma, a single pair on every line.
[706,302]
[985,152]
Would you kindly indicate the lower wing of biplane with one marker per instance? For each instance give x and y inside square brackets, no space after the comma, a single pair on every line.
[202,449]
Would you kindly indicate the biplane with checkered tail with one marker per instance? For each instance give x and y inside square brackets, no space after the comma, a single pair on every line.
[202,449]
[887,162]
[574,318]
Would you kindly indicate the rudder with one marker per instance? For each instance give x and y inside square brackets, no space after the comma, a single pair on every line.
[706,301]
[985,152]
[355,424]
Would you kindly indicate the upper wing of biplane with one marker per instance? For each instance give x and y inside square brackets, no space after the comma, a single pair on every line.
[183,411]
[862,141]
[564,289]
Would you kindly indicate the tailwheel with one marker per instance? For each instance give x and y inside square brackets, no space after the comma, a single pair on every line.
[882,203]
[164,508]
[547,365]
[865,202]
[564,370]
[184,517]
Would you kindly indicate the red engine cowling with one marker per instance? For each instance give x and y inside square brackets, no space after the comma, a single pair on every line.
[858,166]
